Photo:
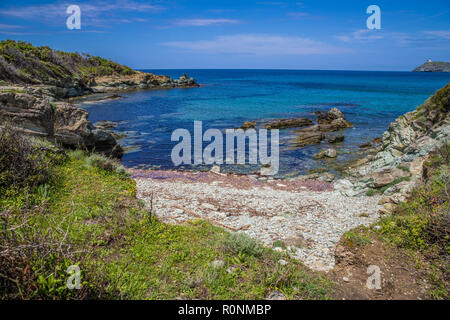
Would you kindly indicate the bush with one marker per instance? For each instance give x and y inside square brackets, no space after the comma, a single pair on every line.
[34,259]
[104,163]
[241,243]
[25,162]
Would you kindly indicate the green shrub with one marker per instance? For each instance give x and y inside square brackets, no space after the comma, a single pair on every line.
[76,154]
[241,243]
[24,161]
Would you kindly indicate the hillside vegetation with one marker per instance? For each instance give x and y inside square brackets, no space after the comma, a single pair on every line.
[23,63]
[62,208]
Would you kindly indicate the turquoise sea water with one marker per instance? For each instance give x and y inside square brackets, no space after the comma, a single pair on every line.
[227,98]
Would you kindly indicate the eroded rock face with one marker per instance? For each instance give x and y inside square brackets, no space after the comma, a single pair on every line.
[34,116]
[406,146]
[60,122]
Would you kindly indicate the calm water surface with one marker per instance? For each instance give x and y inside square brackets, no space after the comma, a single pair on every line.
[227,98]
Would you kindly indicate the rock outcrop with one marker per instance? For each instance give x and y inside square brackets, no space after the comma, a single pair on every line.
[37,81]
[60,122]
[406,146]
[334,120]
[139,80]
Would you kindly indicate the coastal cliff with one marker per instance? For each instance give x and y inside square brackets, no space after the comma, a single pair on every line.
[35,83]
[431,66]
[399,163]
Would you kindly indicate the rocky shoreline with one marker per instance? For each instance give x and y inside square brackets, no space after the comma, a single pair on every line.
[46,111]
[307,214]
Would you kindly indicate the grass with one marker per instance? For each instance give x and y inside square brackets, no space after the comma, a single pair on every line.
[356,238]
[128,256]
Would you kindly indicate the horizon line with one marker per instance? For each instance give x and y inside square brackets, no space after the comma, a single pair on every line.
[285,69]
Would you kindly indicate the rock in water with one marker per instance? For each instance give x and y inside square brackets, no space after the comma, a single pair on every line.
[328,153]
[289,123]
[334,120]
[248,125]
[336,139]
[308,138]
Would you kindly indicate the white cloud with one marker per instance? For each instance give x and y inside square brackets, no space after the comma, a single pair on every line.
[205,22]
[299,15]
[10,29]
[360,35]
[438,33]
[97,11]
[10,26]
[421,39]
[258,44]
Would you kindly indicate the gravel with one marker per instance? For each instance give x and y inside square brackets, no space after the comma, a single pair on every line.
[307,221]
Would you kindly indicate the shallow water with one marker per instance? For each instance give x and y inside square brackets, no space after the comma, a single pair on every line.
[227,98]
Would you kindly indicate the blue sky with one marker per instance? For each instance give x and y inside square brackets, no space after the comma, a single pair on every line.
[189,34]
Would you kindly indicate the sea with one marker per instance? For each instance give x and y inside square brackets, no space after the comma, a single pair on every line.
[227,98]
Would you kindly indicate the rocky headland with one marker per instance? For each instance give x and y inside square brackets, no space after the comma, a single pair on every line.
[431,66]
[36,84]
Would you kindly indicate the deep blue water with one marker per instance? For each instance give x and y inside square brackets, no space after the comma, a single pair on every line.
[227,98]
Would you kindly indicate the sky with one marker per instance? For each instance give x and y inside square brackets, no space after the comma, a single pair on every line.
[239,34]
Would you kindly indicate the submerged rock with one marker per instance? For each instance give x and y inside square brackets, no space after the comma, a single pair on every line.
[308,138]
[248,125]
[336,139]
[328,153]
[289,123]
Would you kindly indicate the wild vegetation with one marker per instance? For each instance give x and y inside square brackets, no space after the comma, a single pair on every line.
[82,210]
[23,63]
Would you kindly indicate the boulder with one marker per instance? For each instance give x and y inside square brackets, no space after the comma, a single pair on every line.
[385,176]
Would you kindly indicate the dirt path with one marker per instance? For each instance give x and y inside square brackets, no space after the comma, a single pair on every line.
[309,217]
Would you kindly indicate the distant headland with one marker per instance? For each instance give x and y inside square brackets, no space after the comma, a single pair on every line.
[433,66]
